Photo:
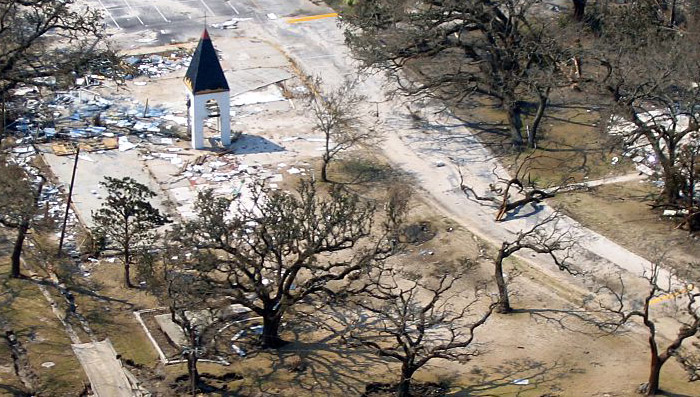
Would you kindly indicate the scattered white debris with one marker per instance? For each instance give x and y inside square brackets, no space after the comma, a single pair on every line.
[23,149]
[614,160]
[294,171]
[521,382]
[271,93]
[124,144]
[645,170]
[48,364]
[271,16]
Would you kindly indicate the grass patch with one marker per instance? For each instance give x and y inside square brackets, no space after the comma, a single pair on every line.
[26,311]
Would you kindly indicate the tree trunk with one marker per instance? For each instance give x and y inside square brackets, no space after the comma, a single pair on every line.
[403,389]
[503,301]
[652,387]
[192,371]
[22,232]
[579,9]
[672,183]
[270,336]
[672,16]
[515,124]
[127,268]
[542,105]
[17,251]
[192,355]
[324,169]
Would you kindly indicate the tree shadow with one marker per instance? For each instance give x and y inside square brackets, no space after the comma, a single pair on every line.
[80,290]
[516,213]
[366,171]
[519,376]
[670,394]
[565,319]
[14,391]
[325,365]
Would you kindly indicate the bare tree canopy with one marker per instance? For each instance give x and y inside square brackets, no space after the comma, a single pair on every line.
[336,116]
[543,238]
[42,39]
[688,314]
[655,91]
[415,322]
[281,248]
[492,48]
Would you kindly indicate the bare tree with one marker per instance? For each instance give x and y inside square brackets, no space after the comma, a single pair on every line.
[689,164]
[281,248]
[127,218]
[527,189]
[19,196]
[658,96]
[543,238]
[42,39]
[415,322]
[473,47]
[194,308]
[336,116]
[688,316]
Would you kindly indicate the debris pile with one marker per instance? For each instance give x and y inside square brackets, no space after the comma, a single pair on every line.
[158,65]
[638,148]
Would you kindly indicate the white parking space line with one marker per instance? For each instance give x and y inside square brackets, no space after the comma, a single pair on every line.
[110,15]
[207,7]
[134,13]
[161,14]
[233,8]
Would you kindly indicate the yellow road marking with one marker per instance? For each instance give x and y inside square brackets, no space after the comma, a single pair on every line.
[672,295]
[311,18]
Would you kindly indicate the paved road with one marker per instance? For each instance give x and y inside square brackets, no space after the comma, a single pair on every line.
[107,377]
[317,46]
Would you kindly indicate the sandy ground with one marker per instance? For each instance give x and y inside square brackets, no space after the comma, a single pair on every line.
[516,347]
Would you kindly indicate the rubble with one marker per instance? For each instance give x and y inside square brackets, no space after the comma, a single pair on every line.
[158,65]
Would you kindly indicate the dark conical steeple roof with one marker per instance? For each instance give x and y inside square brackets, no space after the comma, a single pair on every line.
[205,73]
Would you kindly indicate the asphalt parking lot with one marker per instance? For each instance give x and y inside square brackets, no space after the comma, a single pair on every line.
[131,15]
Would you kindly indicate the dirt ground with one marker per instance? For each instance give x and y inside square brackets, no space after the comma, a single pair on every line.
[553,352]
[623,213]
[557,354]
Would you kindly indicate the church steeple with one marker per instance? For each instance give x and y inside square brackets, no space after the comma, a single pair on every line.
[204,74]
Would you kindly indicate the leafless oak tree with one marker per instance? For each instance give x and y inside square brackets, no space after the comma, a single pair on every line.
[336,115]
[415,322]
[658,95]
[688,316]
[527,189]
[491,48]
[41,39]
[543,238]
[283,248]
